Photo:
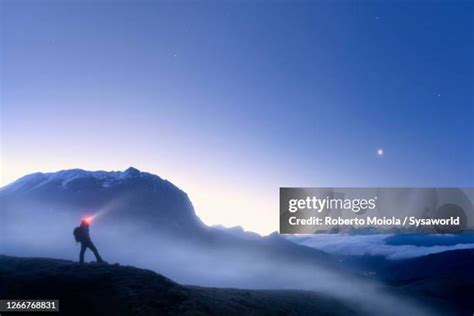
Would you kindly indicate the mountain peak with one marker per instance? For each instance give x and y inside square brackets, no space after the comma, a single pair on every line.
[131,192]
[132,171]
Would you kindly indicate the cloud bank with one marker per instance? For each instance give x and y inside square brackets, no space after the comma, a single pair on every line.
[375,245]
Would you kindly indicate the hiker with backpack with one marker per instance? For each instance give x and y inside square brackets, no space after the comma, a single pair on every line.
[81,234]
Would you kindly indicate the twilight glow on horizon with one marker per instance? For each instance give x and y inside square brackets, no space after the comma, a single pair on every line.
[232,100]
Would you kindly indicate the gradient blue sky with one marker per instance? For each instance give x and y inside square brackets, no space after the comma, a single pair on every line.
[231,100]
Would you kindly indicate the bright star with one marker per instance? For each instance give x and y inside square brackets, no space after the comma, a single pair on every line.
[380,152]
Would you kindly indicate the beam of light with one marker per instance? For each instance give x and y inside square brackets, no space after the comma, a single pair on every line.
[107,208]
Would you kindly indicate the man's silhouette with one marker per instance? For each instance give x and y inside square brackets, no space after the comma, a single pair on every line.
[81,234]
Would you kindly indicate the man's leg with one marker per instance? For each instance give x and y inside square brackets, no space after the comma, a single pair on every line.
[94,250]
[81,254]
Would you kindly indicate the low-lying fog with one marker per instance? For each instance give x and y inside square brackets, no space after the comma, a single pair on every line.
[46,233]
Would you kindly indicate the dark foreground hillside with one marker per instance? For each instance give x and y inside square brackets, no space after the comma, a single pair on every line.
[99,289]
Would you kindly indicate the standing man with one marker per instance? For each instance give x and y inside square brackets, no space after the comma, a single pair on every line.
[81,234]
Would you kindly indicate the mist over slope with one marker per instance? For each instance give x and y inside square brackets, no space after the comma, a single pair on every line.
[98,289]
[145,221]
[140,219]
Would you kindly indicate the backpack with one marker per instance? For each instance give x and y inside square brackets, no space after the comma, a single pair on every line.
[77,234]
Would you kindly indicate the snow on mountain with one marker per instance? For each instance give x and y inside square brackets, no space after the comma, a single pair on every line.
[65,179]
[140,197]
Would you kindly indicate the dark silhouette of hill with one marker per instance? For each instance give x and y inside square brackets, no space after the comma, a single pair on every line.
[101,289]
[453,262]
[405,271]
[447,277]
